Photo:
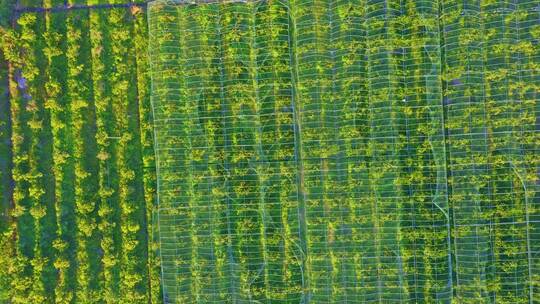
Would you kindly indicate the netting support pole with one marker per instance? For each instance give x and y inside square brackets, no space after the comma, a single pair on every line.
[224,114]
[152,66]
[297,125]
[523,182]
[449,213]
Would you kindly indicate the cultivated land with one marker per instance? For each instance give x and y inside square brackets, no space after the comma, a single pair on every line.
[82,182]
[322,151]
[347,151]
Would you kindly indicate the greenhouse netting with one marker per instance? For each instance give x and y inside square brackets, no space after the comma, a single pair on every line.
[347,151]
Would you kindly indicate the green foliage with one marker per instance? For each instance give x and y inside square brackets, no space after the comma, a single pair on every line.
[308,151]
[79,220]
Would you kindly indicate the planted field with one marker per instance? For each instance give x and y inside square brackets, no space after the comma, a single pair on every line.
[301,151]
[346,151]
[491,99]
[79,230]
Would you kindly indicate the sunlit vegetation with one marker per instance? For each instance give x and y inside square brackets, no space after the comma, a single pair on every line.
[300,151]
[83,189]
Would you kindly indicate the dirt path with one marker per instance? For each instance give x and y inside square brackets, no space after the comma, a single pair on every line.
[6,181]
[5,140]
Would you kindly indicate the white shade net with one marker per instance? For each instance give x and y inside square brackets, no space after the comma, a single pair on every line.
[347,151]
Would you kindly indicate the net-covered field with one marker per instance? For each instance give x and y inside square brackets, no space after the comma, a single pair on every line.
[347,151]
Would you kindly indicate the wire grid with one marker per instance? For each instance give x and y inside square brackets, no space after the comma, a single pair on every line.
[346,151]
[225,144]
[373,153]
[491,93]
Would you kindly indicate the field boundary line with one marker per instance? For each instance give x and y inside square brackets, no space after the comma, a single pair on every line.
[77,7]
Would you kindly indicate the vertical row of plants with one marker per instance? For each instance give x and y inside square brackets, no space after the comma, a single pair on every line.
[283,271]
[185,197]
[123,213]
[207,75]
[509,253]
[425,225]
[133,248]
[86,180]
[102,68]
[350,93]
[197,27]
[58,106]
[385,93]
[508,50]
[411,115]
[35,88]
[247,167]
[166,77]
[333,160]
[31,271]
[6,203]
[481,175]
[465,119]
[350,123]
[526,124]
[485,87]
[528,51]
[259,166]
[21,269]
[140,41]
[314,92]
[39,180]
[36,177]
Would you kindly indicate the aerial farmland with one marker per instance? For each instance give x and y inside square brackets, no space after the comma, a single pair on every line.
[265,151]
